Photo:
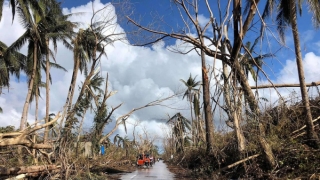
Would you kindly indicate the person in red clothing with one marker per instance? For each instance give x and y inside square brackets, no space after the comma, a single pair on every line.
[147,160]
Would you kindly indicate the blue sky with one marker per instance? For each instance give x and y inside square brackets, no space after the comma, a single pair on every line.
[143,74]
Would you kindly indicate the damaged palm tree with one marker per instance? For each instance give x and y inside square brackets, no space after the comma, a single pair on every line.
[102,117]
[95,42]
[180,127]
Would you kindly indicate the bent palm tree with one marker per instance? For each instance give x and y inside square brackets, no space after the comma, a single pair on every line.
[94,46]
[81,56]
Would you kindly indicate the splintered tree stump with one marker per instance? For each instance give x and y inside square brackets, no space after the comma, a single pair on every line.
[27,169]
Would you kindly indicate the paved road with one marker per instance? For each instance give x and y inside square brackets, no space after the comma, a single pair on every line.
[158,171]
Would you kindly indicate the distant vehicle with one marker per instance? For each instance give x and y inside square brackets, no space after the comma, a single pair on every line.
[144,160]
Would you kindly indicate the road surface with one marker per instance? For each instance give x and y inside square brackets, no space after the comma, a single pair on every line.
[158,171]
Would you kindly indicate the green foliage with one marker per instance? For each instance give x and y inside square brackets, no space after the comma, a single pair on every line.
[191,85]
[7,129]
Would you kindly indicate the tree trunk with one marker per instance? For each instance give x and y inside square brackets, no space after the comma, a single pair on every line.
[226,87]
[30,87]
[236,115]
[192,125]
[68,103]
[207,105]
[70,116]
[241,77]
[34,138]
[46,131]
[27,169]
[196,109]
[253,104]
[79,131]
[239,134]
[313,139]
[233,108]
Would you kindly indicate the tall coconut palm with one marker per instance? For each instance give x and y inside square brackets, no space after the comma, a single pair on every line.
[94,43]
[81,56]
[36,32]
[41,65]
[199,131]
[287,15]
[36,40]
[58,29]
[191,85]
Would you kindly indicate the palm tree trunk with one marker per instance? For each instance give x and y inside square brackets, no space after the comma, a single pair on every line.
[70,116]
[192,126]
[24,115]
[35,159]
[79,131]
[68,103]
[27,101]
[73,83]
[313,139]
[46,131]
[207,105]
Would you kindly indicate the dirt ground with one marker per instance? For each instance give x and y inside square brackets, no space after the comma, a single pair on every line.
[180,173]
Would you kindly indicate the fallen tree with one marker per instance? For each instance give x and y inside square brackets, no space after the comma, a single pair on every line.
[27,170]
[283,85]
[23,137]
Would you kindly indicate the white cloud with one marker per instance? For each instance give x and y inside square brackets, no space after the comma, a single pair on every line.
[289,75]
